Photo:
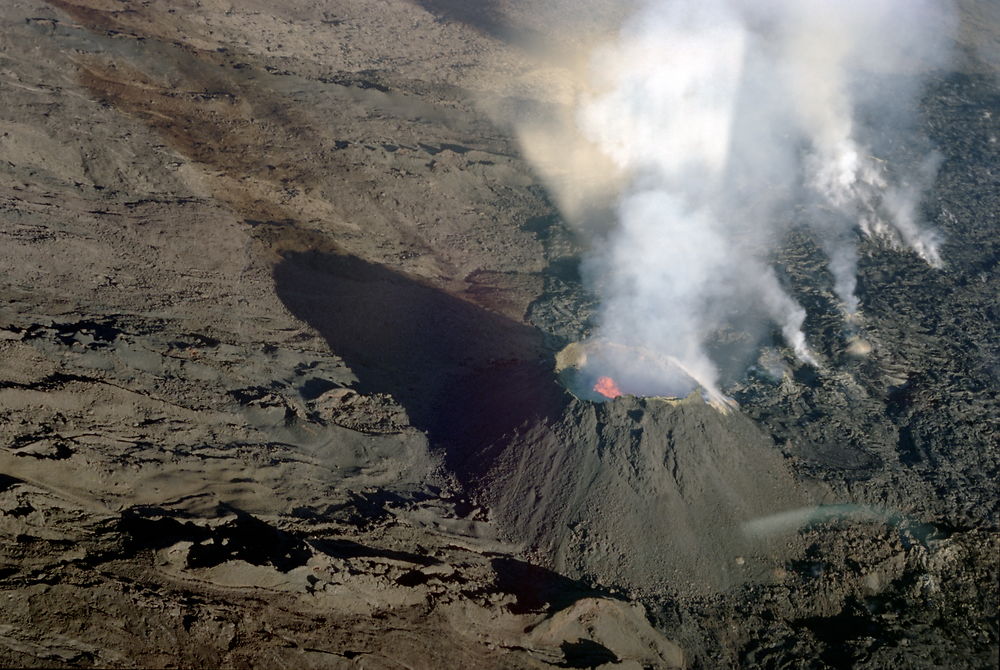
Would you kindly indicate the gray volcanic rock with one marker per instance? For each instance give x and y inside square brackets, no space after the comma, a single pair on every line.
[646,494]
[190,475]
[280,304]
[157,587]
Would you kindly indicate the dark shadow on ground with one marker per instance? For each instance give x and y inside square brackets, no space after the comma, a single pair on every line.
[486,16]
[245,538]
[538,589]
[466,376]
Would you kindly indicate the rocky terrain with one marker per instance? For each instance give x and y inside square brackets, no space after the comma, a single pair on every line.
[282,299]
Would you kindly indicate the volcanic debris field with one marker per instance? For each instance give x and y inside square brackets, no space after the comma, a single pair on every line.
[281,306]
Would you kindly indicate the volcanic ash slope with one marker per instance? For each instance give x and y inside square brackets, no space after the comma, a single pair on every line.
[644,494]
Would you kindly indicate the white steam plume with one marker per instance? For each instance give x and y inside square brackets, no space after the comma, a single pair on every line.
[715,117]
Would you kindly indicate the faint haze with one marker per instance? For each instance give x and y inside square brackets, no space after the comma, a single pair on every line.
[979,35]
[683,140]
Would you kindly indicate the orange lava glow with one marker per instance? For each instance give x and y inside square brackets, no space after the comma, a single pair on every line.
[607,387]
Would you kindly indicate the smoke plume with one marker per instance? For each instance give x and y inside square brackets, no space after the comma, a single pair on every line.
[704,123]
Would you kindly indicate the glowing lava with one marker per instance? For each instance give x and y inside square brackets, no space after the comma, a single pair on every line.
[607,387]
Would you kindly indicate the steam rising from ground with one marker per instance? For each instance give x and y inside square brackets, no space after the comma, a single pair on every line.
[704,122]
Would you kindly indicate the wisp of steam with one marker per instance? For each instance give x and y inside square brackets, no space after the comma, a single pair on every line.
[713,119]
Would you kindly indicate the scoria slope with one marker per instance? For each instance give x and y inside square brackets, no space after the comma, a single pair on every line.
[281,304]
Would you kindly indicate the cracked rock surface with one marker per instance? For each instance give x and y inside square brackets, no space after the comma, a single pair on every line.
[280,307]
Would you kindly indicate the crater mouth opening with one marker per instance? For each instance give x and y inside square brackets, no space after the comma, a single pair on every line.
[599,370]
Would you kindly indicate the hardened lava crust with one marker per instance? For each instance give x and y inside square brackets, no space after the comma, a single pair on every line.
[282,302]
